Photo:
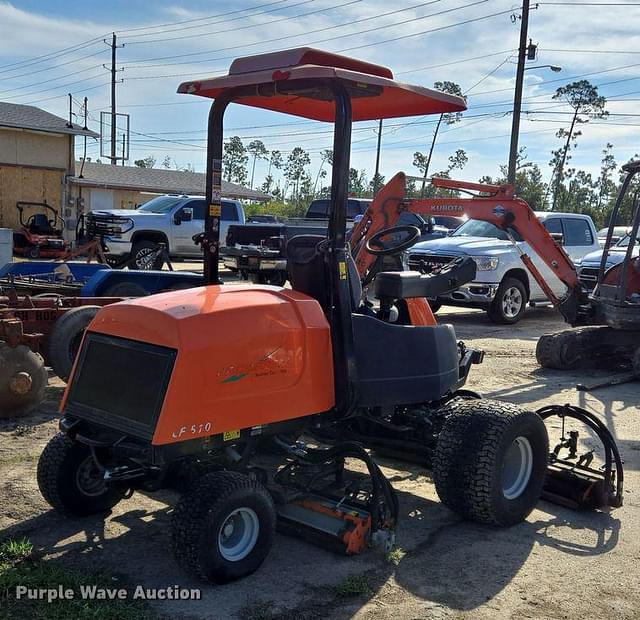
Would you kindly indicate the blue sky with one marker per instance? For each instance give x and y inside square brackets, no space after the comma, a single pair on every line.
[471,42]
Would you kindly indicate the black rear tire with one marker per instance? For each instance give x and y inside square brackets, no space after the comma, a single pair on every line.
[275,278]
[70,481]
[202,515]
[126,289]
[65,338]
[473,466]
[434,305]
[140,260]
[510,302]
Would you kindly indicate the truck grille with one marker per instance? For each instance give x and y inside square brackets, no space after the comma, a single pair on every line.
[426,262]
[588,277]
[120,383]
[104,225]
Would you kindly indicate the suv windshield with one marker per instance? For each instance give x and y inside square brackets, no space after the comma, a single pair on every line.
[478,228]
[161,204]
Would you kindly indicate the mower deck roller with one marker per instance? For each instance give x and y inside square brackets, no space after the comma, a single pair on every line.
[209,389]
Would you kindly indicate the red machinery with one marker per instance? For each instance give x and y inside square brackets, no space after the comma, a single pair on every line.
[40,236]
[34,331]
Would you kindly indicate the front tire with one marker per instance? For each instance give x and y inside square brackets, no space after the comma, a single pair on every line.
[71,482]
[223,527]
[490,461]
[510,302]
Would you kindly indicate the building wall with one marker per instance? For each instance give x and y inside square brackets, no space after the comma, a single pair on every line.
[33,168]
[31,185]
[31,148]
[98,198]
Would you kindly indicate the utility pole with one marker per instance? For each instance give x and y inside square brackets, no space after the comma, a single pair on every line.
[114,136]
[375,176]
[70,121]
[517,98]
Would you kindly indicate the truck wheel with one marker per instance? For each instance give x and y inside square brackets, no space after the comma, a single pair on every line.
[510,302]
[142,256]
[635,363]
[490,461]
[434,305]
[223,527]
[276,278]
[65,338]
[71,482]
[126,289]
[23,379]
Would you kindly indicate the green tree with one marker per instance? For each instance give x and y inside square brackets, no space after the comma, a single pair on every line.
[529,184]
[294,169]
[357,181]
[275,162]
[448,118]
[235,160]
[147,162]
[326,157]
[587,104]
[606,184]
[258,150]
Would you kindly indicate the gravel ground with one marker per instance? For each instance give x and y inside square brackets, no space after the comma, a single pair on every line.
[557,564]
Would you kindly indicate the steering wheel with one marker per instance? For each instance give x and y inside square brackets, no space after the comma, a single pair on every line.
[376,246]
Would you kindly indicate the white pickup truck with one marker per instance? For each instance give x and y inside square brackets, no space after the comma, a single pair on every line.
[172,220]
[503,285]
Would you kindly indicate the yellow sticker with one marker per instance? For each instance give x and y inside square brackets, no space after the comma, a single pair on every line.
[215,210]
[229,435]
[342,266]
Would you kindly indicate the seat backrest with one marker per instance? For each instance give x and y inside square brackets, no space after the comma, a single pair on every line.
[308,269]
[40,224]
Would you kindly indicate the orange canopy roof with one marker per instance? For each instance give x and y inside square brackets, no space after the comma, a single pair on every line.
[292,82]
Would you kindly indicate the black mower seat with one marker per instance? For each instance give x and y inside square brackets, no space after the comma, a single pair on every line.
[410,284]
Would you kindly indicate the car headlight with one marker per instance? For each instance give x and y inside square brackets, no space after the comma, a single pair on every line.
[486,263]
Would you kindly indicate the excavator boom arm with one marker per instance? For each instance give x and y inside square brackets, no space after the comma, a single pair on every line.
[497,205]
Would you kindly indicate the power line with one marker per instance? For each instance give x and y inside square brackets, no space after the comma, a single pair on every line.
[195,19]
[476,19]
[50,55]
[309,32]
[205,34]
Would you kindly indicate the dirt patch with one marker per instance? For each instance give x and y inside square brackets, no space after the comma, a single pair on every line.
[558,564]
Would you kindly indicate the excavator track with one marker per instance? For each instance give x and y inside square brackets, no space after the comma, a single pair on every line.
[589,346]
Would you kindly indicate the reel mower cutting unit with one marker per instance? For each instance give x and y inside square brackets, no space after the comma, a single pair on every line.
[210,389]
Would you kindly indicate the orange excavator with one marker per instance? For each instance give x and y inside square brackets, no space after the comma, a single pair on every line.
[187,388]
[606,320]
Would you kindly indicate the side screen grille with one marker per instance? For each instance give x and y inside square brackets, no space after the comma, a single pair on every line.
[121,383]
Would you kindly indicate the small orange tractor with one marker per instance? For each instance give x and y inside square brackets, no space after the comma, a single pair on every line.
[40,234]
[187,388]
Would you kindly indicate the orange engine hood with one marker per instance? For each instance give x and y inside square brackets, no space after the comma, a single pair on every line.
[246,356]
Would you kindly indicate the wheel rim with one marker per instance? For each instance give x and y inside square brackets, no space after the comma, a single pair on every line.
[89,478]
[238,534]
[512,302]
[144,259]
[517,468]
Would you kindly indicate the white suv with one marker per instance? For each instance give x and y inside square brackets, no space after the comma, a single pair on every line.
[503,285]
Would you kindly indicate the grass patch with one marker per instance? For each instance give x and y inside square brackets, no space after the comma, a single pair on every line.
[19,567]
[395,556]
[353,585]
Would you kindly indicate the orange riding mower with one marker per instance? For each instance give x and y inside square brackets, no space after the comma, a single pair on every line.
[213,389]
